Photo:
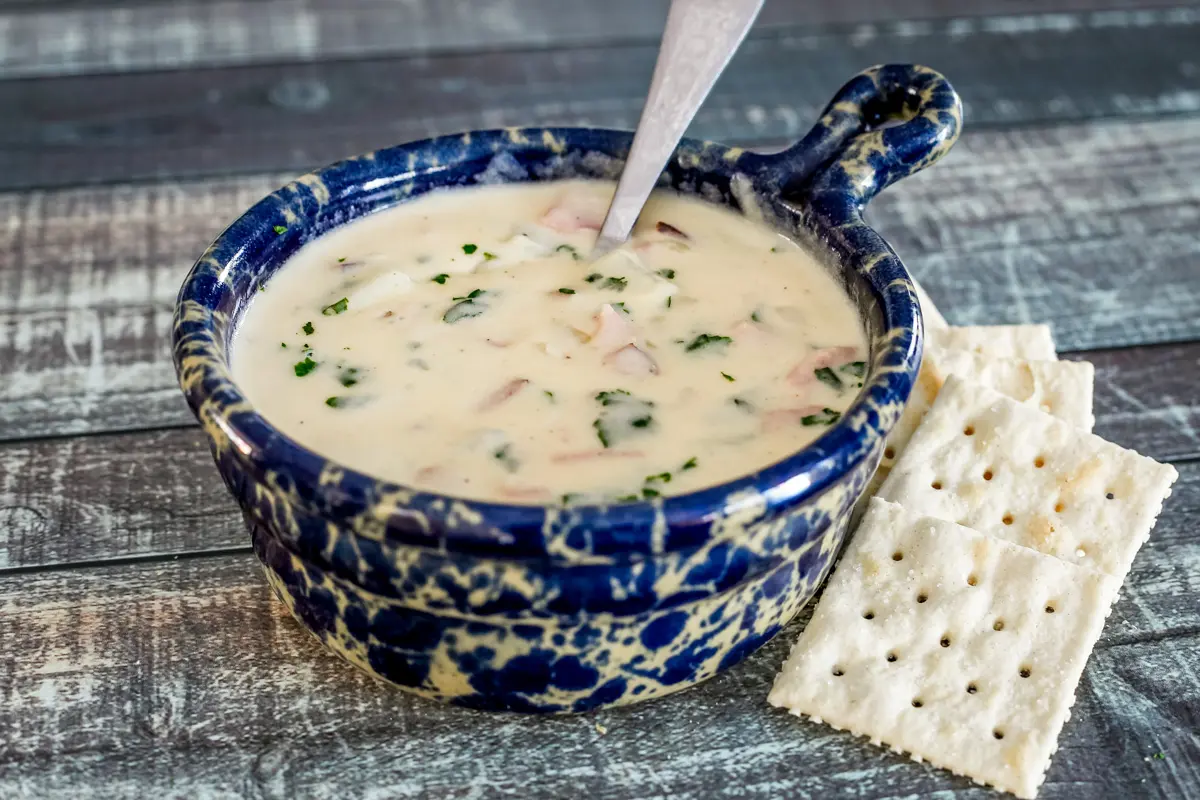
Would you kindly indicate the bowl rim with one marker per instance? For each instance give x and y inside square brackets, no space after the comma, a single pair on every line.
[402,515]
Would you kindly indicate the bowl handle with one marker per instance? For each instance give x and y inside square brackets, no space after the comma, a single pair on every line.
[888,122]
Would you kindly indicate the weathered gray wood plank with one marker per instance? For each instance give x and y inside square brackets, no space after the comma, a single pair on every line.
[185,679]
[136,495]
[293,116]
[65,37]
[1088,226]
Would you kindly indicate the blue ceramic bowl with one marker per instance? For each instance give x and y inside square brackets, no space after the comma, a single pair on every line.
[537,609]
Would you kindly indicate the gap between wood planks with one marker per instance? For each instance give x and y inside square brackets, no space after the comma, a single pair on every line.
[293,116]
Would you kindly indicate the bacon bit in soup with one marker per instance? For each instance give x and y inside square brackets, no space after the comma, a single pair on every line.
[589,455]
[804,373]
[670,230]
[631,360]
[502,394]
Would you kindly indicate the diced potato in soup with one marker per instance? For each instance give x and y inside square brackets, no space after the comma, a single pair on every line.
[465,343]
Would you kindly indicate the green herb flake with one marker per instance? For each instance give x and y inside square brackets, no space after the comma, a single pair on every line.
[280,230]
[855,368]
[707,340]
[602,432]
[565,290]
[440,278]
[727,377]
[744,405]
[489,256]
[283,345]
[336,308]
[342,260]
[662,477]
[566,248]
[611,396]
[628,498]
[549,394]
[469,248]
[504,455]
[648,492]
[304,367]
[691,463]
[669,274]
[774,249]
[334,402]
[755,316]
[826,416]
[349,376]
[621,307]
[615,283]
[623,415]
[470,295]
[595,276]
[1159,756]
[308,329]
[262,287]
[827,376]
[470,305]
[668,301]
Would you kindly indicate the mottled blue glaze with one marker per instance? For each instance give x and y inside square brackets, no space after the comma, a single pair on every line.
[537,609]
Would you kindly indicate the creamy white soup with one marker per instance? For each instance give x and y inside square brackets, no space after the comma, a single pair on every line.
[466,343]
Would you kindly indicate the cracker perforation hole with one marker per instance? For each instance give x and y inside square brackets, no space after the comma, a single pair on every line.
[997,733]
[1050,608]
[972,688]
[892,657]
[945,641]
[1024,671]
[987,474]
[937,485]
[868,614]
[897,556]
[1059,508]
[1039,462]
[1007,519]
[917,702]
[1109,496]
[969,430]
[972,580]
[838,672]
[922,597]
[889,453]
[998,625]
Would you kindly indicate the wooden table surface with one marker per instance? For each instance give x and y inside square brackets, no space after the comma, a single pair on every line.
[141,652]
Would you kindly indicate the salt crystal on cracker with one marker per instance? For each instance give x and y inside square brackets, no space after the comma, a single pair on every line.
[959,648]
[1005,469]
[1033,342]
[1060,388]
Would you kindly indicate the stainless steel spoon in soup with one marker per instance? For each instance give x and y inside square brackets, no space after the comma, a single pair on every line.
[700,38]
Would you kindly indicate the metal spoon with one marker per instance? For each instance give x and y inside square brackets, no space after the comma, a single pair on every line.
[700,38]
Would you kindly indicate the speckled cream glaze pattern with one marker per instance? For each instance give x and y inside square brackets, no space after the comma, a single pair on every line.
[544,609]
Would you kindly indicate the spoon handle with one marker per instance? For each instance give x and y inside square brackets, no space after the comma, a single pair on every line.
[700,38]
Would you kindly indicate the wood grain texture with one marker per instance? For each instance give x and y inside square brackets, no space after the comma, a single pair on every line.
[57,37]
[293,116]
[1088,226]
[186,679]
[138,495]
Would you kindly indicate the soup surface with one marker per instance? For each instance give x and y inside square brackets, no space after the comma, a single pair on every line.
[465,343]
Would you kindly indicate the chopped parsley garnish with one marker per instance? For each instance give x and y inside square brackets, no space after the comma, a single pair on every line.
[662,477]
[668,301]
[566,248]
[669,274]
[855,368]
[283,345]
[744,405]
[774,249]
[827,376]
[707,340]
[504,455]
[348,376]
[621,307]
[334,402]
[489,256]
[727,377]
[623,416]
[826,416]
[565,290]
[440,278]
[342,260]
[336,308]
[648,492]
[308,329]
[280,230]
[1159,756]
[469,248]
[548,394]
[262,287]
[689,464]
[470,305]
[616,284]
[755,316]
[304,367]
[595,276]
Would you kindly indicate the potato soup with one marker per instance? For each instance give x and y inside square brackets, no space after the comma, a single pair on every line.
[466,343]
